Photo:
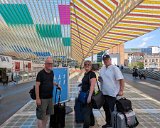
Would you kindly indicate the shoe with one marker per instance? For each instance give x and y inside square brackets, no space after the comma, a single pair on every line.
[107,126]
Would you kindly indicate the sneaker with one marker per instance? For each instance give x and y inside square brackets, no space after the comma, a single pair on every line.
[107,126]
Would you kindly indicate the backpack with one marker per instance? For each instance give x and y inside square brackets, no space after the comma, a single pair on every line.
[32,93]
[123,105]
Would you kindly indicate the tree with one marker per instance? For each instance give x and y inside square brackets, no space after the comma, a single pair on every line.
[139,65]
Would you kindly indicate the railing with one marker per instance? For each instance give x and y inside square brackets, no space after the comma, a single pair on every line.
[149,74]
[25,76]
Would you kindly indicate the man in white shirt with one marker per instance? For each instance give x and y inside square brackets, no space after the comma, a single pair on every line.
[112,84]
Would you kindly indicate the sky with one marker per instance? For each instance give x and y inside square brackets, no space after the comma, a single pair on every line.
[149,39]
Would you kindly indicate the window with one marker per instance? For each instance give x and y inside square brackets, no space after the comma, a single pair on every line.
[7,59]
[156,60]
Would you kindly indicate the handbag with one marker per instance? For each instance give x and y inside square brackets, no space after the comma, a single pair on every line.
[98,99]
[123,105]
[32,93]
[82,97]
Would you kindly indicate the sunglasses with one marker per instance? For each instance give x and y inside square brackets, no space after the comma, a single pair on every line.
[87,64]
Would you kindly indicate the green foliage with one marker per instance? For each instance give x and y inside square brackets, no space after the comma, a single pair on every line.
[139,65]
[100,64]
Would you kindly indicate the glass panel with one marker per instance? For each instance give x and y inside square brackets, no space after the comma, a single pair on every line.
[51,31]
[15,14]
[66,41]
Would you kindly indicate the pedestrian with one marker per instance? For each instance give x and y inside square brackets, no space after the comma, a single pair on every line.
[122,67]
[44,93]
[4,77]
[112,85]
[135,72]
[88,84]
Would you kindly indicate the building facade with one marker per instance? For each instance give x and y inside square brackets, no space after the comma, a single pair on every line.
[147,51]
[132,50]
[152,62]
[151,50]
[133,57]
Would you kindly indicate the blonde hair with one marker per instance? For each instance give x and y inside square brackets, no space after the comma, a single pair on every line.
[88,61]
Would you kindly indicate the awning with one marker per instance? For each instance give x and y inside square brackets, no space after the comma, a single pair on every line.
[77,28]
[98,25]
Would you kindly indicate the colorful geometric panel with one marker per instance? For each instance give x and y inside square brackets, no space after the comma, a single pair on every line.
[50,31]
[64,13]
[66,41]
[21,49]
[15,14]
[42,53]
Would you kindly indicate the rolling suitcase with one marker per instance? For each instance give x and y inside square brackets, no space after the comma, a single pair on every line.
[126,120]
[58,119]
[78,111]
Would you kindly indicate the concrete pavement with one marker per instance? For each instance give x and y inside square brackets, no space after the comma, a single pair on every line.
[149,87]
[15,96]
[147,108]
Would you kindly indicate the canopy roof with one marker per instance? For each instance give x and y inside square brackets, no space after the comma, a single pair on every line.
[77,28]
[35,28]
[98,25]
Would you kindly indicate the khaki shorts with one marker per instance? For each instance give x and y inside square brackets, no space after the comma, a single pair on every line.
[46,108]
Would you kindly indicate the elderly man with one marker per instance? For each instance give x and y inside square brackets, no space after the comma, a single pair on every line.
[44,93]
[112,84]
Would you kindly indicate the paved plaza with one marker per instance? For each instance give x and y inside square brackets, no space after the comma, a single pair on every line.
[146,108]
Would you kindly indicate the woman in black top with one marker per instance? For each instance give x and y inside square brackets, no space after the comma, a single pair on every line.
[88,84]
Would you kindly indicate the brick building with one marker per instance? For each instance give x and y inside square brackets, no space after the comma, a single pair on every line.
[118,51]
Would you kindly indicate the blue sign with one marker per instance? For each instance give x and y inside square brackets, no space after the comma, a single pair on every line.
[61,77]
[61,57]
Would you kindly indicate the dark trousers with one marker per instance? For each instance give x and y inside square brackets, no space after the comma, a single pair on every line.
[109,107]
[88,116]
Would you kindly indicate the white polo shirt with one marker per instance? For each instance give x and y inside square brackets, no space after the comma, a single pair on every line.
[111,76]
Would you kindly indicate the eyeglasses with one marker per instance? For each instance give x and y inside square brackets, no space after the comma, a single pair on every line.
[49,63]
[87,64]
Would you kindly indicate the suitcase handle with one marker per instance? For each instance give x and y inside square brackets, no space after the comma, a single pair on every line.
[59,96]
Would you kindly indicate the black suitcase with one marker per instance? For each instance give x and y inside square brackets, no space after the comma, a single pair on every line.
[78,111]
[58,119]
